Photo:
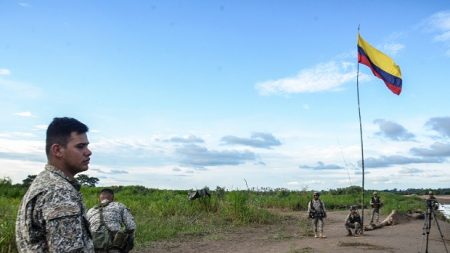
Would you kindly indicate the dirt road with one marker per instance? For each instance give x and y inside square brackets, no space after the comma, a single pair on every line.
[290,237]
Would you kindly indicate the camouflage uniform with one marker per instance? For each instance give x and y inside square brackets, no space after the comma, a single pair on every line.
[316,209]
[353,220]
[51,217]
[376,204]
[115,215]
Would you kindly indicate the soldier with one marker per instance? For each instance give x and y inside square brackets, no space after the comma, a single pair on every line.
[376,204]
[431,195]
[432,201]
[51,216]
[316,211]
[112,225]
[353,220]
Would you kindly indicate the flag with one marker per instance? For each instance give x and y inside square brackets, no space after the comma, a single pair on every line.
[382,66]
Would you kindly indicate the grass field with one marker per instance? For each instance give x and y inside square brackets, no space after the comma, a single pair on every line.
[164,214]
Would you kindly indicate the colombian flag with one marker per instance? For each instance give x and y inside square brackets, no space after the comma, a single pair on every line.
[382,66]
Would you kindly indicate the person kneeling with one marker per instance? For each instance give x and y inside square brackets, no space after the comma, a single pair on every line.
[353,221]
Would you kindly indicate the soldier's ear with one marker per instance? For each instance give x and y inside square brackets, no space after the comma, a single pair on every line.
[57,150]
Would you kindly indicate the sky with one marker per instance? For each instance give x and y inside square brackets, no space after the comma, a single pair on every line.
[236,94]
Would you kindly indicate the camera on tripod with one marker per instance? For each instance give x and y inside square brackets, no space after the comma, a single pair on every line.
[432,204]
[430,214]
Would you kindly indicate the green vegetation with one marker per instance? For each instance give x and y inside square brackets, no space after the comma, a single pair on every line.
[166,214]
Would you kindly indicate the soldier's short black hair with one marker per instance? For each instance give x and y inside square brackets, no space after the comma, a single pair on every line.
[107,190]
[60,129]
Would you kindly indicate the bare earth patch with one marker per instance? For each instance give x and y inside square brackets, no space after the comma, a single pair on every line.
[293,235]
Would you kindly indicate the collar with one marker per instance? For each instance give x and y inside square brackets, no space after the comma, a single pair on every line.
[58,172]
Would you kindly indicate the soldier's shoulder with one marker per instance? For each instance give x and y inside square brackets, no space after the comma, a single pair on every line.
[114,204]
[91,210]
[49,180]
[44,182]
[117,205]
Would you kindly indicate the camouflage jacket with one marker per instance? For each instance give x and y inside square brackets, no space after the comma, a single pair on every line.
[352,218]
[51,217]
[375,202]
[316,206]
[116,215]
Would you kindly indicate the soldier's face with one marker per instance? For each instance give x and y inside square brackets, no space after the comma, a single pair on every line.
[76,155]
[105,196]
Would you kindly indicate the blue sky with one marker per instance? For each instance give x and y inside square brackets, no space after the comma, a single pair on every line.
[187,94]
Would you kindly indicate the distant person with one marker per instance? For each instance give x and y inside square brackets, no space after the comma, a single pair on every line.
[51,216]
[112,225]
[431,195]
[376,204]
[316,211]
[353,221]
[432,201]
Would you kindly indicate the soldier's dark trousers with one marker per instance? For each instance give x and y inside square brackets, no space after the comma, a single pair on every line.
[376,215]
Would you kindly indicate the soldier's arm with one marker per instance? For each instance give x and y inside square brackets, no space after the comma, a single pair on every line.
[347,220]
[128,220]
[64,223]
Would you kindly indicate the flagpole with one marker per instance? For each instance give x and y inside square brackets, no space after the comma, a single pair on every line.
[362,146]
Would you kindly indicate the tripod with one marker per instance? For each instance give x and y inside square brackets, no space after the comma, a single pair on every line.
[429,216]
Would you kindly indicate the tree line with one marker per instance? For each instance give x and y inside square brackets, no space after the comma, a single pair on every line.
[420,191]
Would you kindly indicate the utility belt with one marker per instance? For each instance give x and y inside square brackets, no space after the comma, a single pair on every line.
[316,214]
[356,219]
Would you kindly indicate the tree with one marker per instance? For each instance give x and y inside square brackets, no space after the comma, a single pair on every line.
[27,181]
[86,180]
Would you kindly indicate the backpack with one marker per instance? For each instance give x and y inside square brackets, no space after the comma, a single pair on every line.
[105,239]
[102,238]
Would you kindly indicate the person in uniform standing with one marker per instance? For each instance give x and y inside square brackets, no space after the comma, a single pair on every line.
[353,221]
[376,204]
[316,212]
[112,225]
[51,216]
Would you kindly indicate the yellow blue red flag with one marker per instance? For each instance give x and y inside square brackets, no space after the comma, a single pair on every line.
[382,66]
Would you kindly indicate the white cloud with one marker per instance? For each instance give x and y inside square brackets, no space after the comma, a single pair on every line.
[322,77]
[439,24]
[5,72]
[40,127]
[440,21]
[24,114]
[19,143]
[24,5]
[393,48]
[19,88]
[443,37]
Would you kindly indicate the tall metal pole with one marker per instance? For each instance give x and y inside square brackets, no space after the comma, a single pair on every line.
[362,146]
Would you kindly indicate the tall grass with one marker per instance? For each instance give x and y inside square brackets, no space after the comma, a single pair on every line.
[8,210]
[10,198]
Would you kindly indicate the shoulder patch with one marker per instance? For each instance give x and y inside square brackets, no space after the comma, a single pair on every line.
[60,211]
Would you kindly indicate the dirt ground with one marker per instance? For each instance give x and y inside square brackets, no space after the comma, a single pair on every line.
[289,237]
